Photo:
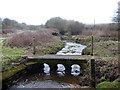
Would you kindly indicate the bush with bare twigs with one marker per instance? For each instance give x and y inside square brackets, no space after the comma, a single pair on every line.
[26,39]
[5,31]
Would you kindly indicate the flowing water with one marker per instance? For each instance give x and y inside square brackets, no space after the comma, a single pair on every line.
[59,79]
[2,38]
[72,49]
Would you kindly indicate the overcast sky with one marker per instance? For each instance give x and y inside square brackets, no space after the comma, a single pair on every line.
[37,12]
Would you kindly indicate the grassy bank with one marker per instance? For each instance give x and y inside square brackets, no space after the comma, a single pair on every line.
[12,56]
[14,61]
[106,53]
[105,49]
[21,44]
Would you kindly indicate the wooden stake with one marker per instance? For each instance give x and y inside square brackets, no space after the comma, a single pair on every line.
[92,46]
[92,67]
[34,46]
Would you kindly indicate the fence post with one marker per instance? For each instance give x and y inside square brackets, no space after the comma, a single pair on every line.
[92,73]
[34,52]
[92,46]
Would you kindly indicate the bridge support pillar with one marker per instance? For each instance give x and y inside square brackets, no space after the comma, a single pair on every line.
[68,69]
[41,67]
[53,68]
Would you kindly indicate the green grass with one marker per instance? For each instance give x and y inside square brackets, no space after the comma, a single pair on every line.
[71,47]
[49,48]
[107,84]
[11,72]
[6,51]
[10,55]
[103,49]
[71,51]
[12,51]
[66,52]
[13,55]
[102,78]
[110,68]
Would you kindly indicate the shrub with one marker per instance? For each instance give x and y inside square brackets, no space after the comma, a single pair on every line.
[5,31]
[26,39]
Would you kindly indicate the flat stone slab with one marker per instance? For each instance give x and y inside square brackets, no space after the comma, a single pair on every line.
[62,57]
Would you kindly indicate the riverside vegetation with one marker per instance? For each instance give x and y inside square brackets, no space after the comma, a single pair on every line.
[105,51]
[13,54]
[47,41]
[106,63]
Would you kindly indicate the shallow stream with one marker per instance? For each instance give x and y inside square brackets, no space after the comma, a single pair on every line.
[59,79]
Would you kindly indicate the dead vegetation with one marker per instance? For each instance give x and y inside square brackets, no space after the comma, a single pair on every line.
[26,38]
[100,33]
[106,70]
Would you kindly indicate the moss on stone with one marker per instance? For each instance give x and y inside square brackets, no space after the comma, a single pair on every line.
[11,72]
[30,63]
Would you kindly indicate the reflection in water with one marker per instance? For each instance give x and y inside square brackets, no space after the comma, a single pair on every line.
[2,38]
[61,73]
[43,84]
[60,67]
[46,69]
[60,70]
[47,81]
[59,80]
[75,70]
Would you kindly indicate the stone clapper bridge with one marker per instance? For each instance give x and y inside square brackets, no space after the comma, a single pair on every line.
[85,62]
